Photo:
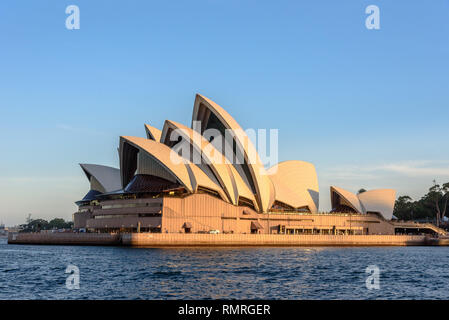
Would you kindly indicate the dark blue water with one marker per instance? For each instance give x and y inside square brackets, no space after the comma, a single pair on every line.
[38,272]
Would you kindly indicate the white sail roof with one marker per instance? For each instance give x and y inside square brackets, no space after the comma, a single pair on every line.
[202,111]
[107,177]
[296,184]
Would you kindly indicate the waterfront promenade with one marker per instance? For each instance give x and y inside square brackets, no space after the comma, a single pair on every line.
[219,240]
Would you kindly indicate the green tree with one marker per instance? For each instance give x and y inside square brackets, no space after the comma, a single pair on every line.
[37,225]
[433,205]
[438,197]
[57,223]
[404,208]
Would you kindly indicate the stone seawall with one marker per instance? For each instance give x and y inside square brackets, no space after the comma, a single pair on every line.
[214,240]
[85,239]
[209,240]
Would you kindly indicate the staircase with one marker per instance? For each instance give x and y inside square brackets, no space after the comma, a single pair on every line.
[415,225]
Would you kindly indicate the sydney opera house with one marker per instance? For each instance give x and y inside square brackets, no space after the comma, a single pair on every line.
[208,178]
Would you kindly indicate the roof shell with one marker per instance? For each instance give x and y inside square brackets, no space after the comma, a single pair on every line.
[373,201]
[379,200]
[240,187]
[296,184]
[107,177]
[258,173]
[200,179]
[153,133]
[351,198]
[163,155]
[211,156]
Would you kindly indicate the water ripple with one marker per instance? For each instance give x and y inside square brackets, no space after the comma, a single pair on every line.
[38,272]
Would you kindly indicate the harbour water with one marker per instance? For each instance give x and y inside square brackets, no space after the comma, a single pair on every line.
[38,272]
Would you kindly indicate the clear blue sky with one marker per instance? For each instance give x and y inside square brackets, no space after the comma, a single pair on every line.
[370,108]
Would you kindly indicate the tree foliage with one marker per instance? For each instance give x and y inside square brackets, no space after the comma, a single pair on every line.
[432,206]
[36,225]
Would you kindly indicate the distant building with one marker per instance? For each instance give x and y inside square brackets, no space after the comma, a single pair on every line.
[161,188]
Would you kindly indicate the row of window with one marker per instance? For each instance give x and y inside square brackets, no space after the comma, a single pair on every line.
[131,205]
[118,216]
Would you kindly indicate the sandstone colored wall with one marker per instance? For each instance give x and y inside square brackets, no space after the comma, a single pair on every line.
[211,240]
[205,213]
[164,240]
[64,238]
